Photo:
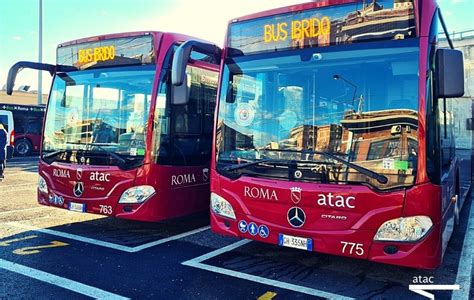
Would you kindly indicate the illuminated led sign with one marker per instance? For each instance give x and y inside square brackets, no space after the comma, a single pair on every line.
[109,52]
[324,26]
[96,54]
[297,29]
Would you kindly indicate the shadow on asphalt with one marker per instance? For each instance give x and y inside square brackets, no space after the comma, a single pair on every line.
[23,164]
[134,233]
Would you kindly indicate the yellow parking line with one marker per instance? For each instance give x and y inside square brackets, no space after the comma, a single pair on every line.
[35,249]
[267,296]
[9,242]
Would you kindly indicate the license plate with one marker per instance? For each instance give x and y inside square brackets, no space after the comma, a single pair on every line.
[295,242]
[80,207]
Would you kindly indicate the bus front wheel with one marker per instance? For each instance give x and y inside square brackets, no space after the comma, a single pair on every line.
[23,147]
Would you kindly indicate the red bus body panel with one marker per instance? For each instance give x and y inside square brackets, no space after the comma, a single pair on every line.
[34,139]
[169,201]
[371,210]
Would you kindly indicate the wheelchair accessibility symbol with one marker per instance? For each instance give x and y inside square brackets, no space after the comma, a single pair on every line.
[263,231]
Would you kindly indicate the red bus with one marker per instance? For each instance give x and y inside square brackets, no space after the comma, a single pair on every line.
[334,131]
[28,127]
[118,138]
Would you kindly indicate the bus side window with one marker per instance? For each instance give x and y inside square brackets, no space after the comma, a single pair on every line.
[446,133]
[193,122]
[20,124]
[34,126]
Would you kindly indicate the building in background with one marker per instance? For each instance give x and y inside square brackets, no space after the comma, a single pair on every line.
[464,106]
[22,98]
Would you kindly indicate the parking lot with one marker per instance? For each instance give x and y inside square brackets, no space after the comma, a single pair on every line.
[53,253]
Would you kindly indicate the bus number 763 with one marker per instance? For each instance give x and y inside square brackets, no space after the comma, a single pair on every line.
[105,209]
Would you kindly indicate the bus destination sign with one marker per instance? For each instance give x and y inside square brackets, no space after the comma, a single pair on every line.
[96,54]
[111,52]
[324,26]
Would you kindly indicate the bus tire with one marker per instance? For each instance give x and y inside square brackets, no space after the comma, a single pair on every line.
[23,147]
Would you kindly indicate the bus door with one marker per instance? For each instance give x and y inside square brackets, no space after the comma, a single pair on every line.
[190,144]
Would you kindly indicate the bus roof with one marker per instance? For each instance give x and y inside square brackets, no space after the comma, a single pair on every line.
[155,34]
[127,48]
[292,8]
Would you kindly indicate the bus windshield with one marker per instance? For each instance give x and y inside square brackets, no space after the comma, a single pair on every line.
[357,102]
[102,113]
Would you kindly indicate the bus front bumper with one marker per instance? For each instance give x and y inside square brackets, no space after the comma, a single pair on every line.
[104,206]
[423,254]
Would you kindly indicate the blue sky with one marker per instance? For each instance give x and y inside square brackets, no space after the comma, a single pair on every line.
[72,19]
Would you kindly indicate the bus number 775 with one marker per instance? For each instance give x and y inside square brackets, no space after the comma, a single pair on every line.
[359,250]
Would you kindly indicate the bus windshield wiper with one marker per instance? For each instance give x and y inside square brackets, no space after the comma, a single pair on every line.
[111,153]
[379,177]
[253,163]
[48,157]
[54,153]
[120,159]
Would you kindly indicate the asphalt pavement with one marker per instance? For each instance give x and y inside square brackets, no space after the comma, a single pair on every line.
[52,253]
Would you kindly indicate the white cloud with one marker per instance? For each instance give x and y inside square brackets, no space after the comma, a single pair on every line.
[457,1]
[17,38]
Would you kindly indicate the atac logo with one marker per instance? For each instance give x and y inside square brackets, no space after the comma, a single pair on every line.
[295,194]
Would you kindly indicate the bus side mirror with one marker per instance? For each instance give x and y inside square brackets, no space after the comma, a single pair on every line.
[35,66]
[182,55]
[180,93]
[449,73]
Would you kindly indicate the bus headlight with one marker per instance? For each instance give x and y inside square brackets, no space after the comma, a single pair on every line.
[42,185]
[409,229]
[137,194]
[221,206]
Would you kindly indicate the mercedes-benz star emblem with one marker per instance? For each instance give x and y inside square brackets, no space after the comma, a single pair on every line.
[78,189]
[79,174]
[296,217]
